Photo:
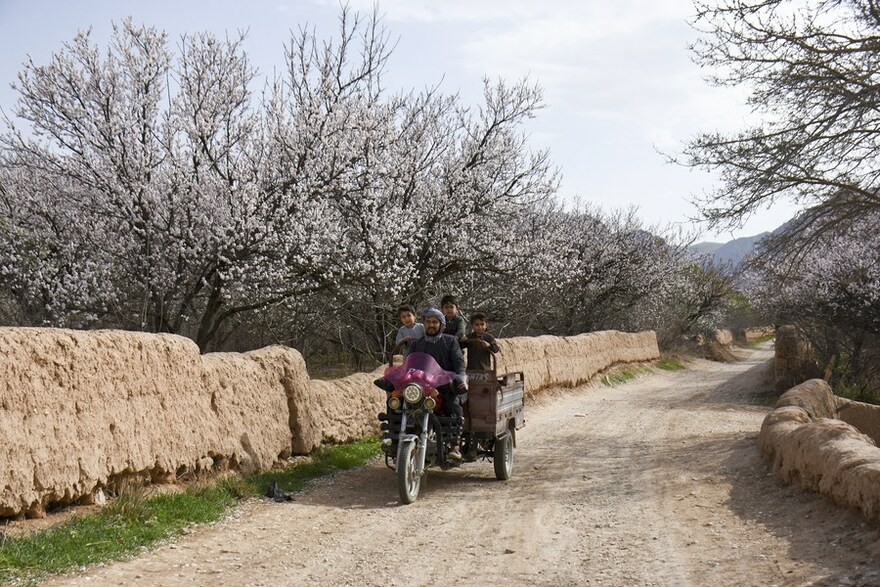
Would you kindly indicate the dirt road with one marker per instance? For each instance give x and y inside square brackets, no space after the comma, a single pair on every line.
[655,482]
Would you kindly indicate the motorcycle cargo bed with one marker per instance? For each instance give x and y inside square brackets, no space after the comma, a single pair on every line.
[494,402]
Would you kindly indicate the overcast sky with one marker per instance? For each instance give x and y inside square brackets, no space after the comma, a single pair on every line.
[618,81]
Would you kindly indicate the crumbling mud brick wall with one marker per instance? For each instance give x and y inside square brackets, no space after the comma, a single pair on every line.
[794,362]
[571,360]
[864,417]
[339,410]
[747,335]
[750,334]
[723,337]
[808,443]
[81,411]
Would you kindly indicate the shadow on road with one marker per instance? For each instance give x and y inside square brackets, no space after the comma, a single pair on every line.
[753,387]
[375,486]
[836,538]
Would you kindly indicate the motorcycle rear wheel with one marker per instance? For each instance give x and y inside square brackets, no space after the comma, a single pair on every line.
[408,482]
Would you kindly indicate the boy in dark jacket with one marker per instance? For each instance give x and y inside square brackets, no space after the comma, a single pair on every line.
[480,344]
[455,323]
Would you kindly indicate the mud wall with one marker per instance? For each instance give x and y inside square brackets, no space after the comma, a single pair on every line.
[723,337]
[794,362]
[811,439]
[87,410]
[83,411]
[339,410]
[864,417]
[572,360]
[750,334]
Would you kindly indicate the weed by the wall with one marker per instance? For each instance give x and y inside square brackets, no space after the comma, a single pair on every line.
[622,376]
[669,365]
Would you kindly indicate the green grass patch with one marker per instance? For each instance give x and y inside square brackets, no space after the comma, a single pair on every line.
[669,365]
[761,340]
[618,377]
[135,521]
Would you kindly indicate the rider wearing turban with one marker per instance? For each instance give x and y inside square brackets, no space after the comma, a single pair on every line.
[447,352]
[435,313]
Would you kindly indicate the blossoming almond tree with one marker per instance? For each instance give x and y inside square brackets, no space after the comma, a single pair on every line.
[811,70]
[832,292]
[159,174]
[150,189]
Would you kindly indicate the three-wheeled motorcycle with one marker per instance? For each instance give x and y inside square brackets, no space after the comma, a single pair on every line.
[417,435]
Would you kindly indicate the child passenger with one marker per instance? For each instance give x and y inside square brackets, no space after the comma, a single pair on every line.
[480,344]
[409,331]
[455,324]
[406,334]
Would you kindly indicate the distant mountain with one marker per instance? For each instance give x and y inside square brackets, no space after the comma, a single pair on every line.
[706,248]
[730,252]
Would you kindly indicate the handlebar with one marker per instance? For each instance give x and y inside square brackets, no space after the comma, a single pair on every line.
[393,352]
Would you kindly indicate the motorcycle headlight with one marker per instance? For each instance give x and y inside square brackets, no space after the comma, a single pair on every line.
[412,393]
[394,403]
[430,403]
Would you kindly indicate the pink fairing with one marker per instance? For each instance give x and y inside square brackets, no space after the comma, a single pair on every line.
[418,368]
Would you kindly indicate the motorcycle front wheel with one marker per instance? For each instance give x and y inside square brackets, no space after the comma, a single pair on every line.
[408,481]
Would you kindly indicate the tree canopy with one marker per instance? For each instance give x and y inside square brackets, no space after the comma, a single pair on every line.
[148,188]
[813,70]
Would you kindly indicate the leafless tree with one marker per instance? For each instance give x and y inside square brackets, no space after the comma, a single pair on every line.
[813,70]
